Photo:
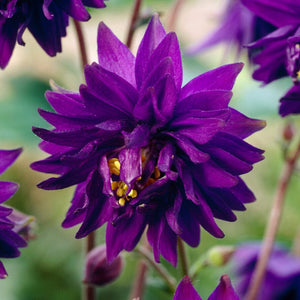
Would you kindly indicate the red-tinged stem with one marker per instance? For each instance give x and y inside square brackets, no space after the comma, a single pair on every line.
[174,14]
[182,257]
[81,43]
[272,226]
[134,18]
[89,292]
[140,277]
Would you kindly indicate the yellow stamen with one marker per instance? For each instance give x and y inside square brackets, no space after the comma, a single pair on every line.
[122,201]
[114,185]
[132,194]
[114,166]
[156,173]
[150,181]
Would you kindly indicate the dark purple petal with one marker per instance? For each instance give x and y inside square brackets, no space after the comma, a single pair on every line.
[168,47]
[279,13]
[94,3]
[224,291]
[8,37]
[153,36]
[290,102]
[7,157]
[77,211]
[74,8]
[186,291]
[131,165]
[7,189]
[124,235]
[241,126]
[114,56]
[221,78]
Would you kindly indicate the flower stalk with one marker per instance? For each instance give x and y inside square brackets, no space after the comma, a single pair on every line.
[272,226]
[81,43]
[134,18]
[182,257]
[168,278]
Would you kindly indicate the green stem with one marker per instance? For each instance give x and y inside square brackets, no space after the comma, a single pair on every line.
[182,257]
[169,279]
[272,226]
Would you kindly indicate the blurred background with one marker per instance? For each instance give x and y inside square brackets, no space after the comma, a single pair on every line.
[50,268]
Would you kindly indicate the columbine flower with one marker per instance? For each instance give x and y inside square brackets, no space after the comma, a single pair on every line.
[10,241]
[224,291]
[282,279]
[238,27]
[278,51]
[46,20]
[146,153]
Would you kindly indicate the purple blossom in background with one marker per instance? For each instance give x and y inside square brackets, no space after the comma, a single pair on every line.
[282,279]
[238,27]
[10,241]
[145,152]
[279,56]
[279,52]
[224,291]
[46,20]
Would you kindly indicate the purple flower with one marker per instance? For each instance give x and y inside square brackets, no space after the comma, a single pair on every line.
[282,279]
[290,102]
[238,27]
[10,241]
[46,20]
[146,153]
[278,52]
[224,291]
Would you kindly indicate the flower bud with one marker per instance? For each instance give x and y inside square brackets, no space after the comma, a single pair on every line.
[219,255]
[98,271]
[23,224]
[288,132]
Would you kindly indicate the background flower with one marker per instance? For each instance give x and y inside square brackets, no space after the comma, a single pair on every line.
[238,27]
[46,20]
[10,241]
[282,279]
[145,152]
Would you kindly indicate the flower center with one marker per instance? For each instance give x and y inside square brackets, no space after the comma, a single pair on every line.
[120,188]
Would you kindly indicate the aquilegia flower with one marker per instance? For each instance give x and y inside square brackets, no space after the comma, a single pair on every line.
[224,290]
[146,153]
[46,20]
[282,279]
[10,241]
[278,53]
[238,27]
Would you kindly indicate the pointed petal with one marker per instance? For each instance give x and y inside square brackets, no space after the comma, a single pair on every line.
[185,290]
[153,36]
[114,56]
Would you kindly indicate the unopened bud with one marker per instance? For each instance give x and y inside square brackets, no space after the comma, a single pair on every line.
[23,224]
[288,132]
[98,271]
[219,255]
